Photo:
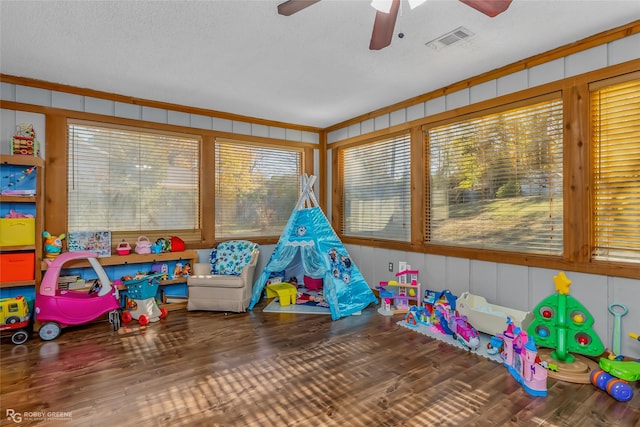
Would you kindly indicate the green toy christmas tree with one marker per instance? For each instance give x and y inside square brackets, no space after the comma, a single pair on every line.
[564,324]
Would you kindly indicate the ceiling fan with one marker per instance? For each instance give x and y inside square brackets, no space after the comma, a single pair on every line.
[386,18]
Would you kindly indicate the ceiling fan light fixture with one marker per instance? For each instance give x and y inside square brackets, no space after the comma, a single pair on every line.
[415,3]
[383,6]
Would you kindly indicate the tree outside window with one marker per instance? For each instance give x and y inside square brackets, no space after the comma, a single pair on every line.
[256,188]
[495,182]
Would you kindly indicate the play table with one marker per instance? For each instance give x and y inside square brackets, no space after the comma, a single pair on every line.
[286,292]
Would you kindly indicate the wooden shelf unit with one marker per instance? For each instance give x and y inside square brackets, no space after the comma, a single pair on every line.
[38,201]
[190,256]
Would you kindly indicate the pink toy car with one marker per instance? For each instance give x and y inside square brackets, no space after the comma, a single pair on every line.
[56,309]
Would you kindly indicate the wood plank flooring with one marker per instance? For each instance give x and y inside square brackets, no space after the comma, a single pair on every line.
[269,369]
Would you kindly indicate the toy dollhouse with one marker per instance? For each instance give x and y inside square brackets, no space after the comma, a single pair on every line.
[402,293]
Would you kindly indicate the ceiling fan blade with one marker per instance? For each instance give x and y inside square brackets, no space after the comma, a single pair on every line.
[490,8]
[290,7]
[383,27]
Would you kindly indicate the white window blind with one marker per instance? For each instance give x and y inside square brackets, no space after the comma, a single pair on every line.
[376,190]
[257,187]
[132,181]
[495,182]
[615,122]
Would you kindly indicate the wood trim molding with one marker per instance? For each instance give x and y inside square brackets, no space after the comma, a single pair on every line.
[55,206]
[41,84]
[322,173]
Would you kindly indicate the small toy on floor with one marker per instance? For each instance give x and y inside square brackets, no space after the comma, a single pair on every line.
[520,358]
[15,319]
[417,315]
[308,297]
[385,303]
[615,387]
[141,300]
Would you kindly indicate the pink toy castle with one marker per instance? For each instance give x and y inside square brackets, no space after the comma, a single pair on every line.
[519,357]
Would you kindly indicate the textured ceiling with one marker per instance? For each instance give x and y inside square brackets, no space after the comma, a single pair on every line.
[312,68]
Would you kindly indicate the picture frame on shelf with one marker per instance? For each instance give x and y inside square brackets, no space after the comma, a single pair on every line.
[93,241]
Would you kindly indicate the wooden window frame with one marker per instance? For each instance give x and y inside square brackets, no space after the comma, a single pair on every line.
[403,136]
[189,235]
[576,170]
[593,88]
[502,110]
[239,141]
[576,161]
[56,165]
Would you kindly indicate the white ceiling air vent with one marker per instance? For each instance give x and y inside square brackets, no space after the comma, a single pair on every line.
[450,38]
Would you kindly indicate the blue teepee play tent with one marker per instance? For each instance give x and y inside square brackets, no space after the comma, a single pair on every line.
[321,253]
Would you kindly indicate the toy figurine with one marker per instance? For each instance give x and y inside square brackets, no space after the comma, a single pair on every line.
[177,271]
[52,245]
[186,270]
[156,248]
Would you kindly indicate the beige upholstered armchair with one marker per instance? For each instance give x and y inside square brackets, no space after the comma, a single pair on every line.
[226,282]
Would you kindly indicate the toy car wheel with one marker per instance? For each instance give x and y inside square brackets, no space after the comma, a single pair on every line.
[143,320]
[19,337]
[126,317]
[163,312]
[115,319]
[49,331]
[12,320]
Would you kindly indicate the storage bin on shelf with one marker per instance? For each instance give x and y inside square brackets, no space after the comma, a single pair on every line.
[17,231]
[17,266]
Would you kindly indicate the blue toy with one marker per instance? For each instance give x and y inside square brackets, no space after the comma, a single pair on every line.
[617,388]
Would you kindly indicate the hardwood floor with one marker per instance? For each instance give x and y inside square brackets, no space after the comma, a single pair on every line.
[267,369]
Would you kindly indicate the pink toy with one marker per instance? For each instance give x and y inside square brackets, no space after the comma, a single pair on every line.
[13,214]
[519,355]
[56,309]
[447,320]
[123,248]
[143,245]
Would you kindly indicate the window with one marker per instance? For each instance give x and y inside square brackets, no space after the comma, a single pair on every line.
[256,188]
[615,135]
[376,189]
[132,181]
[495,182]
